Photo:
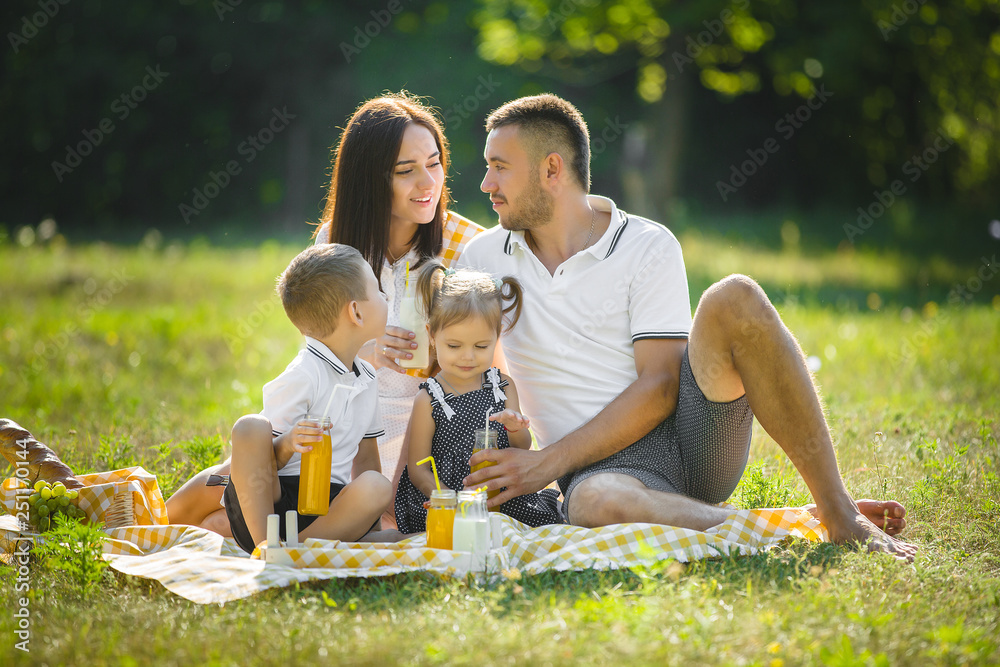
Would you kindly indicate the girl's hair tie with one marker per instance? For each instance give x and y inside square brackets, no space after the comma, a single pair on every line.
[449,272]
[498,283]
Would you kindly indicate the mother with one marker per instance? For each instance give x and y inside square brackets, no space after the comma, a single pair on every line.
[388,198]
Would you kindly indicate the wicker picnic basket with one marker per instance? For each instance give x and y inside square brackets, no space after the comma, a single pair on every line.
[117,498]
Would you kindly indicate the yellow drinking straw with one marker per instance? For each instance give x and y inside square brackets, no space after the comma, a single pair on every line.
[406,285]
[434,467]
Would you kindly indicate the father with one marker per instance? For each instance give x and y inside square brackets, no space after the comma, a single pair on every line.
[641,413]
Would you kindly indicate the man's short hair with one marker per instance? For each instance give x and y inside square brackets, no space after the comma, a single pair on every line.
[317,285]
[548,124]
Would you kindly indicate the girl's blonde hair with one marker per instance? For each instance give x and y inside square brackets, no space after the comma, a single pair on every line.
[450,296]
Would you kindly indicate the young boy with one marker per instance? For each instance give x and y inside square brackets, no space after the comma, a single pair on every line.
[331,296]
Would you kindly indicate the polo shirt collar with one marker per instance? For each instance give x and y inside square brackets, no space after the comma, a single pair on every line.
[513,240]
[604,246]
[323,353]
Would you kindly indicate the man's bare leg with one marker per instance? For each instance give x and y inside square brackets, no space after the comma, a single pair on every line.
[610,498]
[740,345]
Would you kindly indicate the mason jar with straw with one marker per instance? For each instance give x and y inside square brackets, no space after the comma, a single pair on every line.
[441,515]
[486,438]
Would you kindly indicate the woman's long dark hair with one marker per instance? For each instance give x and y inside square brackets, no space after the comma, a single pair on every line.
[359,201]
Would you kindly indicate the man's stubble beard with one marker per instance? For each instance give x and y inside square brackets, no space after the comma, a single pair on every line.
[530,210]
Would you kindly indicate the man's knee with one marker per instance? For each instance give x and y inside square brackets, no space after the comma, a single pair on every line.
[741,305]
[735,293]
[602,500]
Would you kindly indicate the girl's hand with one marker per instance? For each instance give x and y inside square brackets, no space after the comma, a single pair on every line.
[513,421]
[395,344]
[304,435]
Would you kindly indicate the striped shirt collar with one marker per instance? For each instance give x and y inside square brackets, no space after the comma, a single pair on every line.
[604,246]
[323,353]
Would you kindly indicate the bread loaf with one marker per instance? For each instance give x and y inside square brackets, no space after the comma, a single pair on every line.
[20,448]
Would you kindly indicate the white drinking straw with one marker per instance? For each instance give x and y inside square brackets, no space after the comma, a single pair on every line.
[326,412]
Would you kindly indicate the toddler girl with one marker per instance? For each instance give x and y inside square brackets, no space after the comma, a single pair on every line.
[465,313]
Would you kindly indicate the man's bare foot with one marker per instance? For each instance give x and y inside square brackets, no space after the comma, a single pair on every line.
[885,514]
[855,527]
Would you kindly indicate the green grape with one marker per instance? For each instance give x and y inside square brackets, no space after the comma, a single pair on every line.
[43,509]
[63,501]
[39,485]
[34,498]
[44,524]
[72,494]
[59,489]
[46,493]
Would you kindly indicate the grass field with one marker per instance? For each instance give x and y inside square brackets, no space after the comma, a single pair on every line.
[148,354]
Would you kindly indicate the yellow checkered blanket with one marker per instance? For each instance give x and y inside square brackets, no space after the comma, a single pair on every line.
[204,567]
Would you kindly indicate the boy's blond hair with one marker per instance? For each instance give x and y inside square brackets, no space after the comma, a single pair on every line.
[317,285]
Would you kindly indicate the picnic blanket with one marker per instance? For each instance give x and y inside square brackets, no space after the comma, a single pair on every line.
[205,567]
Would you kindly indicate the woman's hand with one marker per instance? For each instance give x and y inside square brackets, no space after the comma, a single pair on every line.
[395,344]
[512,420]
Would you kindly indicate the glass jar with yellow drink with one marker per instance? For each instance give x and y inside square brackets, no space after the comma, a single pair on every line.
[441,518]
[486,438]
[314,476]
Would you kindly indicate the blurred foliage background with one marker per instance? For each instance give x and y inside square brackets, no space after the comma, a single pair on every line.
[772,121]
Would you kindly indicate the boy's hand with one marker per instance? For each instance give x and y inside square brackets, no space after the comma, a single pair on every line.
[512,421]
[304,435]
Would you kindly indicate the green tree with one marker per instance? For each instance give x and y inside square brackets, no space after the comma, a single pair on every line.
[902,71]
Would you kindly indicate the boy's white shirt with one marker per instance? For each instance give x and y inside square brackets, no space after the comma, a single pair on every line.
[305,387]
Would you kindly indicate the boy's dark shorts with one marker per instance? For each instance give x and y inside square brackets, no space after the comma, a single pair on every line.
[289,500]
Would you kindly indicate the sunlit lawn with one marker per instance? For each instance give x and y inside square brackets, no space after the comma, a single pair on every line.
[106,353]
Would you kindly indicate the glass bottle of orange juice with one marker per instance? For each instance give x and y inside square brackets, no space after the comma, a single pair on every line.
[314,476]
[441,518]
[486,438]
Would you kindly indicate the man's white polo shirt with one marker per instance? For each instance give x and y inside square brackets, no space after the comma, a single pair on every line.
[571,352]
[305,387]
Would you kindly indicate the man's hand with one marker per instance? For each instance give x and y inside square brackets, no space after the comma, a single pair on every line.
[521,471]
